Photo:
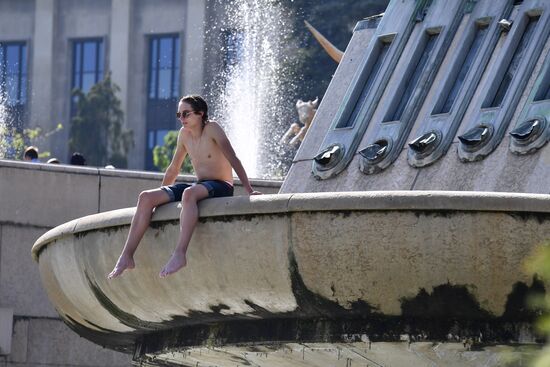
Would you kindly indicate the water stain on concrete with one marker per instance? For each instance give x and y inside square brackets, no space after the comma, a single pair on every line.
[445,301]
[541,218]
[218,308]
[448,312]
[519,305]
[310,303]
[123,316]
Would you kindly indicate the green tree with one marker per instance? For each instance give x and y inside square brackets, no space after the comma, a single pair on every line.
[162,154]
[96,129]
[539,263]
[335,19]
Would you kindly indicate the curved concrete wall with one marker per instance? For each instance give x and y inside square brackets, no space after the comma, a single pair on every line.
[340,255]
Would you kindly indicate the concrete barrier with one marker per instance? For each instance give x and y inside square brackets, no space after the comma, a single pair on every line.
[33,199]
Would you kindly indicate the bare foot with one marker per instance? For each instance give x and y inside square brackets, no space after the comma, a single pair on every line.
[124,262]
[176,262]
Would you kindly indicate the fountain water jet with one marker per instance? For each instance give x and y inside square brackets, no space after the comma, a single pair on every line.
[4,135]
[254,86]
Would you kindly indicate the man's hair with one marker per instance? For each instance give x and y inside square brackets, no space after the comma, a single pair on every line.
[31,152]
[198,104]
[78,159]
[53,161]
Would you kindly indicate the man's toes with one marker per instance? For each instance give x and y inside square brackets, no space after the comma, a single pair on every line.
[167,271]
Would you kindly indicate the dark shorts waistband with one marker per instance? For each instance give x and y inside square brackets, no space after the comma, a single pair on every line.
[216,188]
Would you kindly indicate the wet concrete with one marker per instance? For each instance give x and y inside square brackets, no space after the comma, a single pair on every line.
[448,313]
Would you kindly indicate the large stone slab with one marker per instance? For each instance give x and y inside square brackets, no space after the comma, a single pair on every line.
[51,342]
[28,297]
[26,187]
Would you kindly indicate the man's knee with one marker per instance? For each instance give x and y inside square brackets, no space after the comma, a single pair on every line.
[145,198]
[190,194]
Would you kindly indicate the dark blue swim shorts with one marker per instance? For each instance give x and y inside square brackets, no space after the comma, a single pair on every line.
[216,188]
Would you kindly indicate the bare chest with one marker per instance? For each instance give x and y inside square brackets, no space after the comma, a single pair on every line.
[202,149]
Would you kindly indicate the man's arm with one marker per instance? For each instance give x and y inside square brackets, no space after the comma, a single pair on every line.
[227,149]
[177,160]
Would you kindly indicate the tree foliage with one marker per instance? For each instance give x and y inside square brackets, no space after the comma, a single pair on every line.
[538,303]
[335,19]
[162,155]
[96,129]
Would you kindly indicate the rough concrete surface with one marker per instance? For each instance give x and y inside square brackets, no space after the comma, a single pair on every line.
[46,186]
[370,261]
[29,297]
[48,341]
[351,354]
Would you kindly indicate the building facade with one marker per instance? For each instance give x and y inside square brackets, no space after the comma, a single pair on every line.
[153,50]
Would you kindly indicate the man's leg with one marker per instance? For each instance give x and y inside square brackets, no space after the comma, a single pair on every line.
[147,201]
[188,220]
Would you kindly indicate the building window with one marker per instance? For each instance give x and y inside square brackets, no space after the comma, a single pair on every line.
[164,67]
[163,91]
[88,64]
[233,41]
[156,137]
[13,73]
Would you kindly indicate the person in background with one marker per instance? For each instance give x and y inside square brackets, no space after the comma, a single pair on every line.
[31,154]
[77,159]
[53,161]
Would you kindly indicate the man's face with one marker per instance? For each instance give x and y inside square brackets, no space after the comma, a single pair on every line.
[187,116]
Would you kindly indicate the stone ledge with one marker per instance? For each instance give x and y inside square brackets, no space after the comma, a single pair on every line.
[342,201]
[122,173]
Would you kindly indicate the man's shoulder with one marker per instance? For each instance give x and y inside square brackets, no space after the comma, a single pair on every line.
[212,123]
[182,136]
[212,127]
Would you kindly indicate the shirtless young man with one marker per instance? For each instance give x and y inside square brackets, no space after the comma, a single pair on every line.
[212,157]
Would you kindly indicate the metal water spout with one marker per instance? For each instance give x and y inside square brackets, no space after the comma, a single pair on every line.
[475,136]
[376,151]
[424,143]
[527,131]
[329,156]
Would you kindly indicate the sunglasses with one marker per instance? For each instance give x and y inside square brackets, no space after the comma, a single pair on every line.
[184,114]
